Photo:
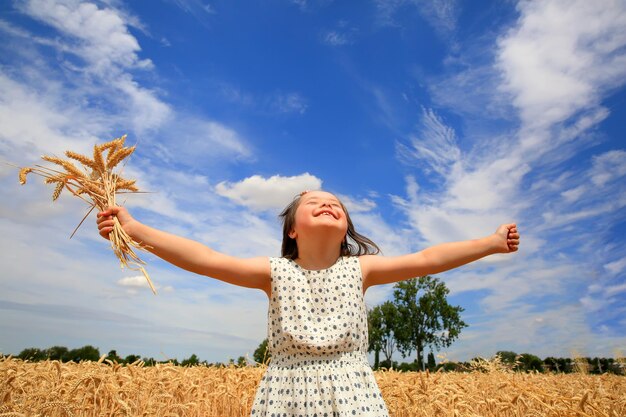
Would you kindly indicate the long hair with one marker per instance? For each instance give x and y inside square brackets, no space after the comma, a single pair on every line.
[355,244]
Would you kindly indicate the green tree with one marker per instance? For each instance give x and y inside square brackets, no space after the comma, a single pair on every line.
[241,361]
[507,356]
[191,361]
[432,364]
[510,359]
[382,322]
[262,353]
[552,364]
[112,356]
[132,359]
[425,317]
[149,361]
[85,353]
[408,367]
[374,337]
[530,362]
[32,354]
[57,353]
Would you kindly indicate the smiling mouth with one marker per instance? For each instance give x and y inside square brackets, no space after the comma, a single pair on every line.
[326,213]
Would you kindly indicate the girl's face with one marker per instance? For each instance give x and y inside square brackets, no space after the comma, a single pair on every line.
[320,211]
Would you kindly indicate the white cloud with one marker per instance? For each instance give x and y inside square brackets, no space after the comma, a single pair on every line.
[36,121]
[434,144]
[148,112]
[472,200]
[198,142]
[491,186]
[616,267]
[573,194]
[101,81]
[138,281]
[615,289]
[275,192]
[608,166]
[556,69]
[441,14]
[76,111]
[103,37]
[80,103]
[561,329]
[561,57]
[391,240]
[355,205]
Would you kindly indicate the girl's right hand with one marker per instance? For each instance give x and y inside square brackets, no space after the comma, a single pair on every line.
[106,220]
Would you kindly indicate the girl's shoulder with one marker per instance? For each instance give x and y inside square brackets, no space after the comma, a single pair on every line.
[280,262]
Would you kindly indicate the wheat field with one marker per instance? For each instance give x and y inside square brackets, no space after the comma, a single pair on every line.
[51,388]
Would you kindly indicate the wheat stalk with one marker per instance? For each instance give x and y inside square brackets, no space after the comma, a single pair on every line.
[95,183]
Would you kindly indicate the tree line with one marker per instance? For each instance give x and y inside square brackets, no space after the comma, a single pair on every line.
[524,362]
[91,353]
[419,318]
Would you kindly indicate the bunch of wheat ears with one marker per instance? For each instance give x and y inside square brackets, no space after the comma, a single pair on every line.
[96,184]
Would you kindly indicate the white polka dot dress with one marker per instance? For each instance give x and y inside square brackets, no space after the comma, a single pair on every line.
[317,331]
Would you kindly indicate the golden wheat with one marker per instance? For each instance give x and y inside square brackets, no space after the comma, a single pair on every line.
[82,159]
[69,167]
[57,190]
[97,181]
[98,160]
[23,173]
[114,158]
[108,389]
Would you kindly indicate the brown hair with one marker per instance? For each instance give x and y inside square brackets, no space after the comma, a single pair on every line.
[355,244]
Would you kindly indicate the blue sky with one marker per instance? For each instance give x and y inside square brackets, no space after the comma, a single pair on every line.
[434,121]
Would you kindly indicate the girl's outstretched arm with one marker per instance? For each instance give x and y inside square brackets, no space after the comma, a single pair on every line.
[384,270]
[188,254]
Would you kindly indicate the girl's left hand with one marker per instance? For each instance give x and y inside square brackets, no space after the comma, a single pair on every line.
[508,238]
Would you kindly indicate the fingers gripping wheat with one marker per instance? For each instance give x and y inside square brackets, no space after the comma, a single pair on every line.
[95,183]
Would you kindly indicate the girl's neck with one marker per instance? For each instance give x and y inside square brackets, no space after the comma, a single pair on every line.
[317,256]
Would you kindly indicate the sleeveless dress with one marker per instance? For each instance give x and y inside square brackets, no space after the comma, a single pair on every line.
[317,337]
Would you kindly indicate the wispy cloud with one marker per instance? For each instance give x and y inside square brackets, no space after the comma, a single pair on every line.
[311,5]
[201,10]
[434,144]
[342,34]
[616,267]
[274,103]
[94,89]
[442,15]
[287,103]
[334,38]
[556,64]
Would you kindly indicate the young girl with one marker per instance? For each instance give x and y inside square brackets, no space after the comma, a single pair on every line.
[317,325]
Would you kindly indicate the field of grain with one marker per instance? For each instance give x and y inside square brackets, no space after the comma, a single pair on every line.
[52,388]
